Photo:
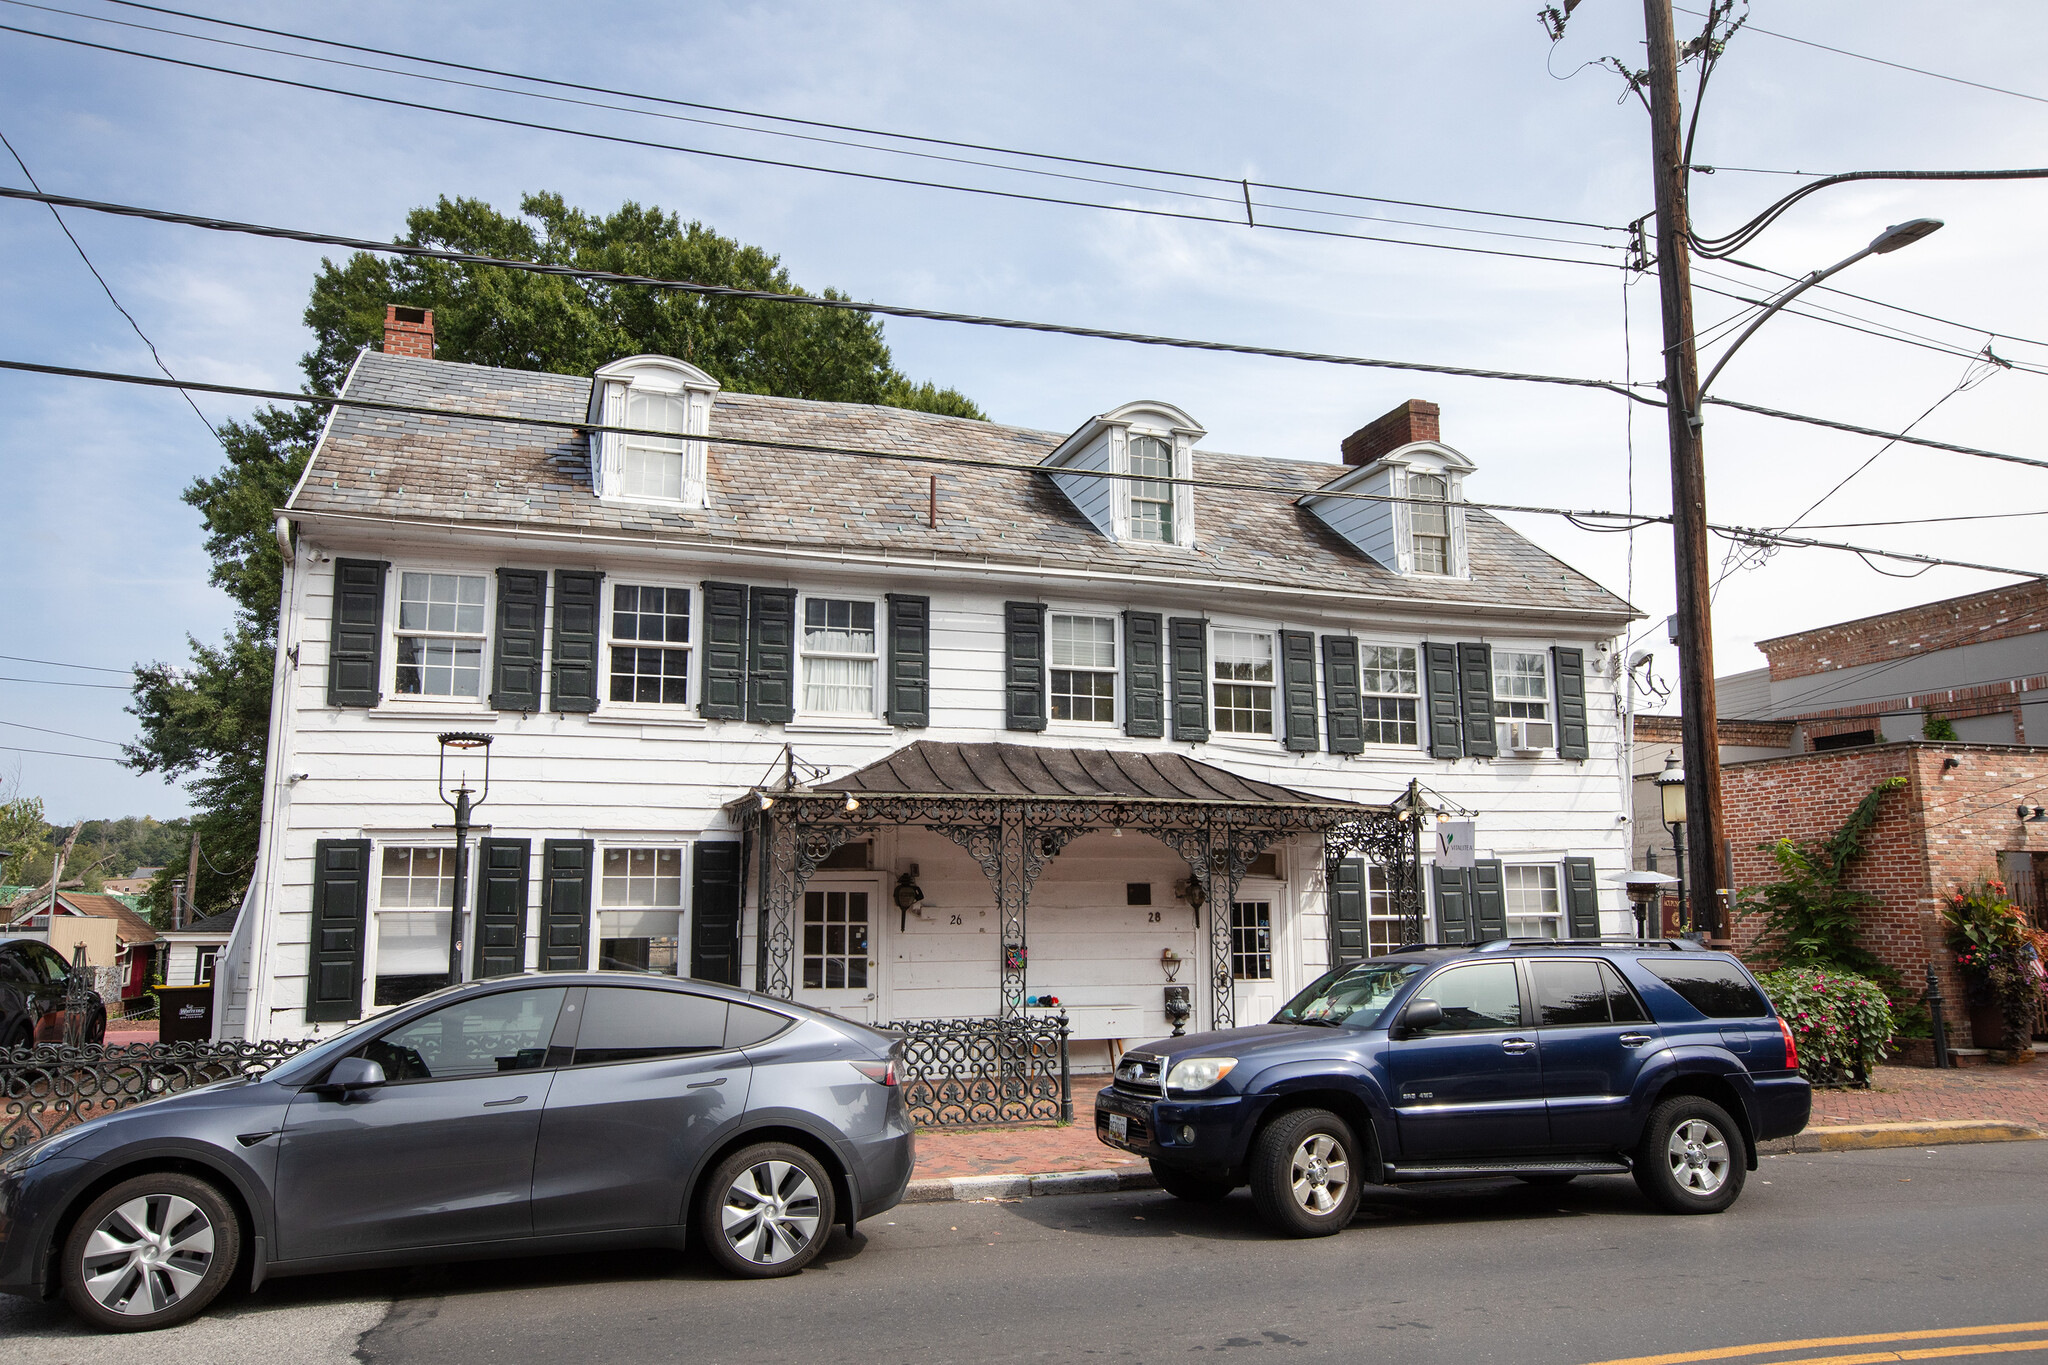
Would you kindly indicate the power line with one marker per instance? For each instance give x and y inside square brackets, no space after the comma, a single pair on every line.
[1880,303]
[1730,243]
[1898,335]
[53,682]
[1856,430]
[94,668]
[1920,521]
[57,753]
[90,739]
[1223,180]
[649,143]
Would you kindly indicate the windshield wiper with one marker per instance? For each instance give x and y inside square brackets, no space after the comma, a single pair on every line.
[1319,1021]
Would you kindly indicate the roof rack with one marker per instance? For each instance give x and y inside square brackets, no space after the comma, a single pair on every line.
[1497,945]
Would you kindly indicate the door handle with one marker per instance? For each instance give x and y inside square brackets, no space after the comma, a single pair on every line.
[1515,1047]
[500,1104]
[1634,1039]
[704,1085]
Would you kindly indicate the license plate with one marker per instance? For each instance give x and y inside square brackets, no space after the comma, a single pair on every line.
[1120,1127]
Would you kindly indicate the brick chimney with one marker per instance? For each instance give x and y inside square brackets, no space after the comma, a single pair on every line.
[1415,420]
[410,331]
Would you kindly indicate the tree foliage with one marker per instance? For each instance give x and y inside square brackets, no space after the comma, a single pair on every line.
[208,721]
[1811,919]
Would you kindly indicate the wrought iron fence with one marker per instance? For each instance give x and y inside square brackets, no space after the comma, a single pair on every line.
[49,1087]
[961,1073]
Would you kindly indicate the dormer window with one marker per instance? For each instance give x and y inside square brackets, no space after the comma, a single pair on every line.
[1401,500]
[652,394]
[1151,459]
[1125,472]
[1429,535]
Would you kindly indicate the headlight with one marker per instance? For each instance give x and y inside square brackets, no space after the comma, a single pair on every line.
[1199,1073]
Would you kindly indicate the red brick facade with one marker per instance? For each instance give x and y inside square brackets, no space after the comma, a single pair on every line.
[1998,614]
[1943,830]
[1415,420]
[1740,734]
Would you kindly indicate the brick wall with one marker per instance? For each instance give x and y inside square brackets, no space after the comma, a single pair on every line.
[1995,615]
[1744,734]
[1944,830]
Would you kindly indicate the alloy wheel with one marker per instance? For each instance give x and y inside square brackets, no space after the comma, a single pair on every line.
[146,1255]
[1699,1156]
[771,1212]
[1319,1173]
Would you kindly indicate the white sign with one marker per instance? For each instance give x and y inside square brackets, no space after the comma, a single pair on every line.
[1454,843]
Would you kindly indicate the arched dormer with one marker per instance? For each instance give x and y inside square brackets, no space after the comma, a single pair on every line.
[1390,513]
[1118,470]
[654,393]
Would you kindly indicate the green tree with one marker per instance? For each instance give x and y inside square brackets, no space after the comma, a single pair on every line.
[208,721]
[1936,727]
[26,837]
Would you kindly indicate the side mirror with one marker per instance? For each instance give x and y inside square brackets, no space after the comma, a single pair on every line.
[1420,1015]
[351,1075]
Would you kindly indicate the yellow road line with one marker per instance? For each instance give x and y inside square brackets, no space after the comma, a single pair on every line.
[1925,1353]
[1870,1339]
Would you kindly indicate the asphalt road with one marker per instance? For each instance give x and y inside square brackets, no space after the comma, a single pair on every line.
[1820,1247]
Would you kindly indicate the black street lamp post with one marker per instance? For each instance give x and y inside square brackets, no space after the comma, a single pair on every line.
[1671,788]
[464,744]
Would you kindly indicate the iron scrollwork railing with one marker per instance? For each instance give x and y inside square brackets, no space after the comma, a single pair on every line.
[961,1073]
[51,1086]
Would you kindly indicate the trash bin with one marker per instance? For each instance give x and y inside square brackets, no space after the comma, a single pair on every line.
[185,1013]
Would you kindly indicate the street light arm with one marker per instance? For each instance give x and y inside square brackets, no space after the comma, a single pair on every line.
[1794,292]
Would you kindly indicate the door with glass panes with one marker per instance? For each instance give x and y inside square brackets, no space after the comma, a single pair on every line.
[1261,963]
[838,961]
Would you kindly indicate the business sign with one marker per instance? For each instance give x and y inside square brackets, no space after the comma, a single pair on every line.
[1454,843]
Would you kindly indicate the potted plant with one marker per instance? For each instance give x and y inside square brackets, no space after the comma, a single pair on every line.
[2001,966]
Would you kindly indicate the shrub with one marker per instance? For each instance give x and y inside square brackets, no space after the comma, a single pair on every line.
[1842,1022]
[1996,950]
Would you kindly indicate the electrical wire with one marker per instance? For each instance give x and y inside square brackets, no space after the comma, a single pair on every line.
[53,682]
[619,139]
[1732,242]
[57,753]
[1920,521]
[90,739]
[53,663]
[1880,303]
[1893,334]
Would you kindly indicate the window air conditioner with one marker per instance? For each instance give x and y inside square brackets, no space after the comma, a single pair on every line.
[1530,736]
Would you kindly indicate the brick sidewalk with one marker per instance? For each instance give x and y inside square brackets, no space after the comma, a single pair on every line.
[1897,1095]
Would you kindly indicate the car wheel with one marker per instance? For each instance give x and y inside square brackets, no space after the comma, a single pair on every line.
[1691,1159]
[1197,1187]
[766,1211]
[1548,1179]
[1303,1183]
[96,1032]
[150,1252]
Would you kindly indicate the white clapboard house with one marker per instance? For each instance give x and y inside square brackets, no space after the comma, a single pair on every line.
[770,704]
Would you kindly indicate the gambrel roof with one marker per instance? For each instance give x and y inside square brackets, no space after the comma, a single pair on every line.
[436,470]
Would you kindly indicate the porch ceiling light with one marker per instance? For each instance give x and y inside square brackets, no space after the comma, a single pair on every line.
[852,805]
[766,800]
[1192,891]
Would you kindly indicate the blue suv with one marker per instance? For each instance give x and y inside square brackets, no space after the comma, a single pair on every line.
[1537,1059]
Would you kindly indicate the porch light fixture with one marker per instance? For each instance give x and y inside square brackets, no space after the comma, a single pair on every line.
[851,804]
[2036,817]
[766,800]
[907,893]
[1192,891]
[463,744]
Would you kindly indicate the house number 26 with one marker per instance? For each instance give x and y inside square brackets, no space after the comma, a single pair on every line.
[953,919]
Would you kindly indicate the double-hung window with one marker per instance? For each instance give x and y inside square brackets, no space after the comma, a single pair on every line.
[415,889]
[1081,655]
[1242,666]
[1390,690]
[440,635]
[1521,700]
[652,466]
[1386,928]
[1534,910]
[640,910]
[839,657]
[650,644]
[1429,522]
[1150,461]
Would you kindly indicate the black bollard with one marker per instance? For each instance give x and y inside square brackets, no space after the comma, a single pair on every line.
[1933,999]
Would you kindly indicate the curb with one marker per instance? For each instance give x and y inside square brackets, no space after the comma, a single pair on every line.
[949,1189]
[1858,1137]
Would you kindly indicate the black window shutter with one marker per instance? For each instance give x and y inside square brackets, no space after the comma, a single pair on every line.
[1298,689]
[725,652]
[1489,900]
[1187,642]
[715,876]
[1144,698]
[1345,707]
[579,603]
[1446,712]
[1581,899]
[565,874]
[910,662]
[1453,904]
[1475,685]
[1569,666]
[501,907]
[515,650]
[334,948]
[771,655]
[1024,665]
[355,640]
[1348,941]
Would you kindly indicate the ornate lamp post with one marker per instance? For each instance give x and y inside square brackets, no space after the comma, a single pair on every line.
[465,746]
[1671,788]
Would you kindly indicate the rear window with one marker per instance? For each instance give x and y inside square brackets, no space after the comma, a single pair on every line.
[1715,987]
[621,1024]
[746,1025]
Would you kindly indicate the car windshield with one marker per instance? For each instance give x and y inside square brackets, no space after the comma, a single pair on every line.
[1355,995]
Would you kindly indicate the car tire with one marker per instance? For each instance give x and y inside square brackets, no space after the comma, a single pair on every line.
[766,1211]
[151,1252]
[96,1031]
[1304,1175]
[1692,1158]
[1546,1180]
[1196,1187]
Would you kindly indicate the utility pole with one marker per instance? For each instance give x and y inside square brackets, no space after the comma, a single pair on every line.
[1698,714]
[181,921]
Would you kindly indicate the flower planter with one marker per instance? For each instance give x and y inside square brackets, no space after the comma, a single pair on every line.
[1987,1026]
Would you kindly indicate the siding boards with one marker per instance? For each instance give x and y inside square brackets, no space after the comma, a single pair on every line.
[341,903]
[910,654]
[355,636]
[725,652]
[1144,655]
[516,644]
[1298,690]
[1187,639]
[1024,665]
[565,895]
[501,907]
[771,655]
[578,602]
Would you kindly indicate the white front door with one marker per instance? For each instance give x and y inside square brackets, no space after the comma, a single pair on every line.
[1260,956]
[838,964]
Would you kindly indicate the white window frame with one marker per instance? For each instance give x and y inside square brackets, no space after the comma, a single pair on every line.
[878,658]
[1456,564]
[395,632]
[630,844]
[1503,718]
[1385,925]
[664,377]
[1367,696]
[1182,445]
[1273,733]
[663,709]
[1115,669]
[1553,892]
[373,946]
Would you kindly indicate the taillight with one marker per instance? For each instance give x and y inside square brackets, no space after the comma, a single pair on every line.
[881,1073]
[1791,1048]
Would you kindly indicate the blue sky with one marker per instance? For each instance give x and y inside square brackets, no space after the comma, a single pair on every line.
[1463,104]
